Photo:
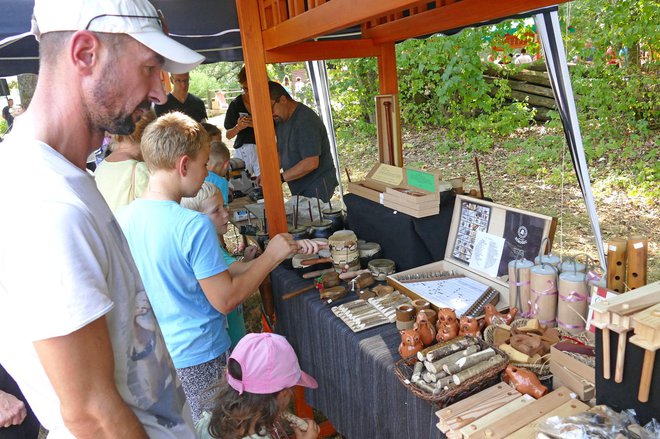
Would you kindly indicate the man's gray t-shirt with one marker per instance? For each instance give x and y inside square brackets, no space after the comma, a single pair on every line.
[300,137]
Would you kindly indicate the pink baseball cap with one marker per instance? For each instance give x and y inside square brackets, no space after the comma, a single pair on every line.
[269,365]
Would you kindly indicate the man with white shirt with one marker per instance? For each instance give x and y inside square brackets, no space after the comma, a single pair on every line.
[523,58]
[79,336]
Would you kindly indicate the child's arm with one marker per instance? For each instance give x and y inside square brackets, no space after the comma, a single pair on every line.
[226,291]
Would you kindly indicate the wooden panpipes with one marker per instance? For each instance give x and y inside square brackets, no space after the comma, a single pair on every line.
[616,315]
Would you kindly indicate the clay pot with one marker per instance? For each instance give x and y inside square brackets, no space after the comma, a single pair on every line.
[336,218]
[425,329]
[320,229]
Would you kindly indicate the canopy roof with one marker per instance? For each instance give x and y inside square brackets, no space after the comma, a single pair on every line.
[211,27]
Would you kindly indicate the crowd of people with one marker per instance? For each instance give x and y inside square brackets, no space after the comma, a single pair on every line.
[125,326]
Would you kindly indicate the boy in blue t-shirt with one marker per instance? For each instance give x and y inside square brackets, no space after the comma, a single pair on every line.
[218,165]
[209,202]
[179,257]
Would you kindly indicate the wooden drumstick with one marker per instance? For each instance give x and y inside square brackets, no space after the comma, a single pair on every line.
[351,274]
[314,261]
[293,294]
[313,274]
[481,186]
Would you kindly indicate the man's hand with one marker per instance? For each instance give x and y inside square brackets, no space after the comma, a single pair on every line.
[12,410]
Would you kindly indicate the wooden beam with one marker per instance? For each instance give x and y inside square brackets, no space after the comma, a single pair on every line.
[387,75]
[327,18]
[262,115]
[452,16]
[319,50]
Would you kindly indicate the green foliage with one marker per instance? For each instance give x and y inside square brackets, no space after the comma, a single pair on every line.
[3,126]
[353,85]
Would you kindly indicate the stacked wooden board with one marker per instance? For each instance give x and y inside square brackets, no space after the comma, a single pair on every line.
[502,412]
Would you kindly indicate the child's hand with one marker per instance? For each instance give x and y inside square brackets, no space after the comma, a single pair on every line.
[281,246]
[313,430]
[309,246]
[251,252]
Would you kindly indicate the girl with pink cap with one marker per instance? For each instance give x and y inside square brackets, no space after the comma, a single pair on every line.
[261,372]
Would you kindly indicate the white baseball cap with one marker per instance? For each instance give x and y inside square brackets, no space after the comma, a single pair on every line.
[137,18]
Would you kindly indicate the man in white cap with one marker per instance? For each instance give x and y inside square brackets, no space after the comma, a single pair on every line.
[78,333]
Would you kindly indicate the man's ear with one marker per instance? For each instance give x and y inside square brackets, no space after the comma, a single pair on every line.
[182,165]
[84,50]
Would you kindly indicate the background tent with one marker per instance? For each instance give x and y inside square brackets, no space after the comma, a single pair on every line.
[212,29]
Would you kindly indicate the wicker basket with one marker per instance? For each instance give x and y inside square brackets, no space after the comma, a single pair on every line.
[404,370]
[542,369]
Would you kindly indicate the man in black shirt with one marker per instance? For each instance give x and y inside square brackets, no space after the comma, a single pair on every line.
[6,114]
[303,146]
[180,100]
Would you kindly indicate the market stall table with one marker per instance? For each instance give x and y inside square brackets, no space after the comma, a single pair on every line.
[408,241]
[358,390]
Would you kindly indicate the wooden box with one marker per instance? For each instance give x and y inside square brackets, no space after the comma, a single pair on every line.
[521,231]
[572,373]
[414,202]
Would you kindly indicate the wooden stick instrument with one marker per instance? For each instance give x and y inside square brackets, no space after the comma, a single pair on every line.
[615,315]
[647,336]
[481,186]
[616,264]
[293,419]
[296,293]
[638,248]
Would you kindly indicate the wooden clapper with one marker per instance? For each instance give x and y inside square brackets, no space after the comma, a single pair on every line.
[616,315]
[647,336]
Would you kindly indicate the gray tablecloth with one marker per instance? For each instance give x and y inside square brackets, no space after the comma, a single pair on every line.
[358,390]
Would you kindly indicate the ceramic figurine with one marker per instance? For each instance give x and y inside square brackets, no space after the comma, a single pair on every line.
[410,343]
[495,317]
[469,326]
[425,329]
[447,324]
[524,381]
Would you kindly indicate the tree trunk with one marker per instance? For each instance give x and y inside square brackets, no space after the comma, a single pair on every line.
[27,82]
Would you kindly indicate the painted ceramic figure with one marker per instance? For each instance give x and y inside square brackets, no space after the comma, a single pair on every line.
[447,324]
[410,343]
[425,329]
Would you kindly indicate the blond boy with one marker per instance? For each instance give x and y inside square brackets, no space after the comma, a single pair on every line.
[217,166]
[179,257]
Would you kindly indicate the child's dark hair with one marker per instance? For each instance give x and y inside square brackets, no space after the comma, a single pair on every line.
[233,414]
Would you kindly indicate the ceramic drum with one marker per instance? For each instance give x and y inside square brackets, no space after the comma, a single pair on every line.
[344,251]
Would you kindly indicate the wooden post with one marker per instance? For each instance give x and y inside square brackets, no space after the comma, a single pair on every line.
[389,84]
[262,114]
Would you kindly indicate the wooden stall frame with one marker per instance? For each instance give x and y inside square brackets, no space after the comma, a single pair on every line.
[271,29]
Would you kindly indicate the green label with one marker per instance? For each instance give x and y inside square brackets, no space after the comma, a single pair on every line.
[421,180]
